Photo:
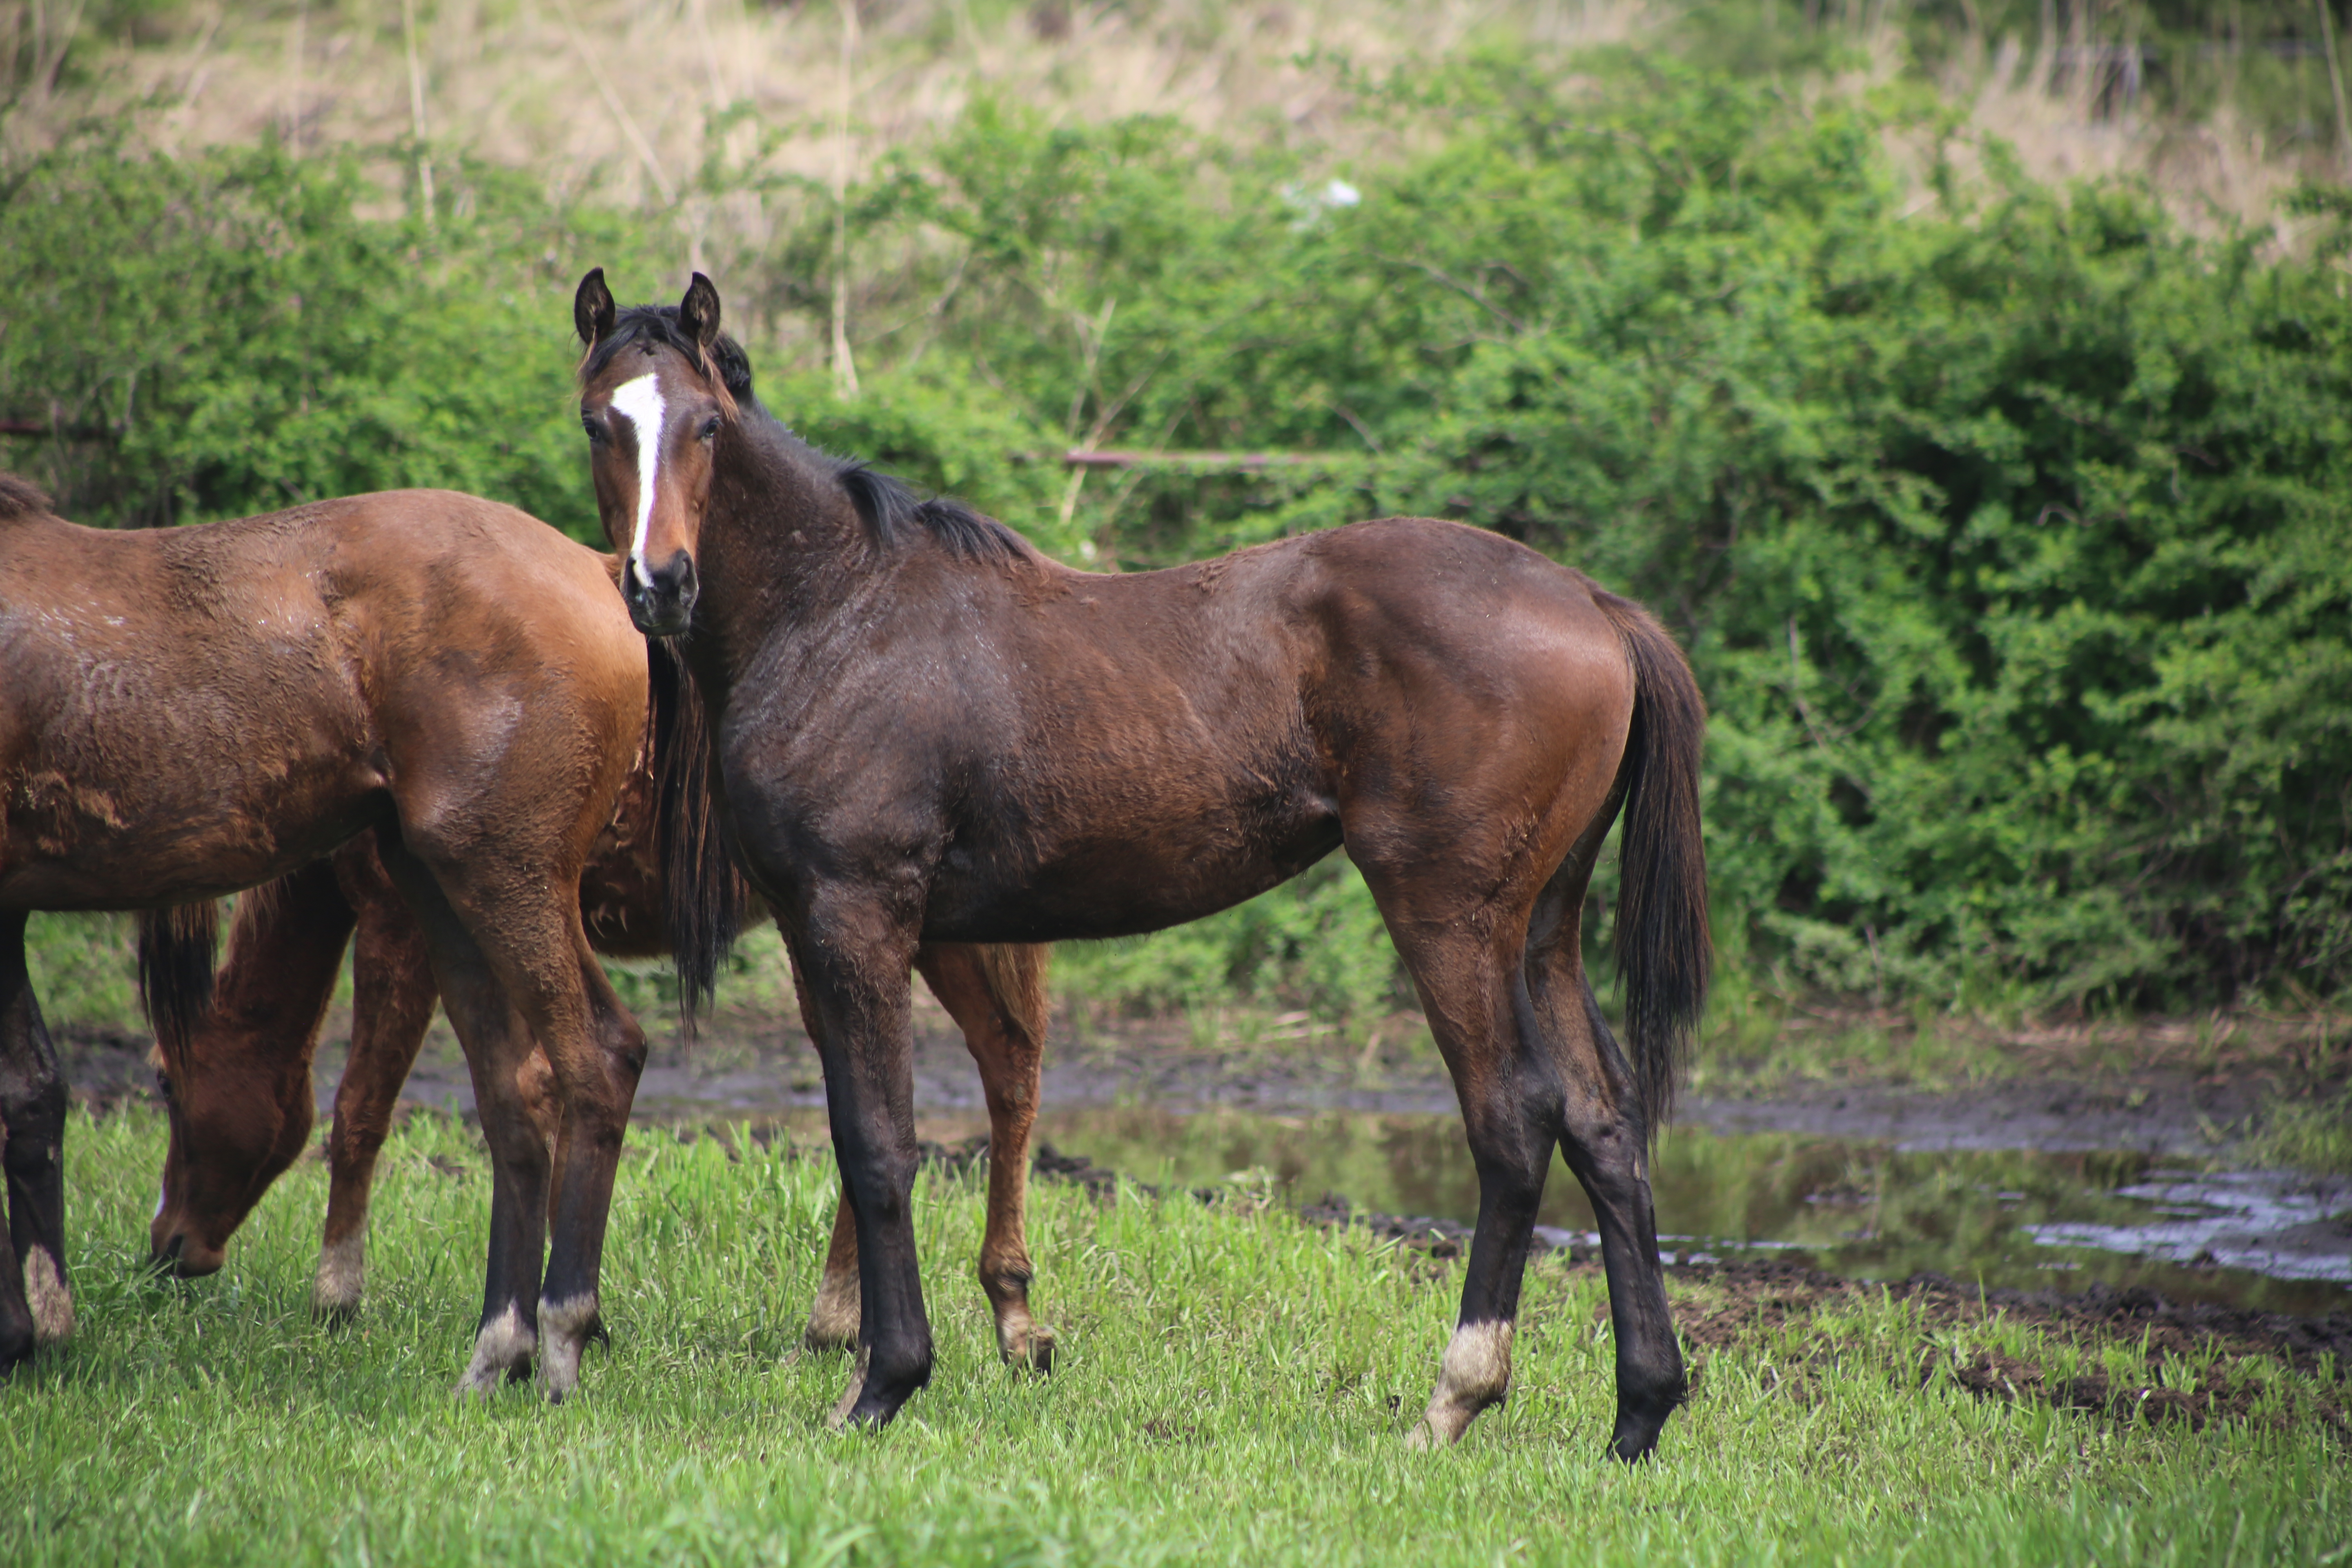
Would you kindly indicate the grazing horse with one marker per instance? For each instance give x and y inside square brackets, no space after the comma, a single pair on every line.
[240,1096]
[923,731]
[190,711]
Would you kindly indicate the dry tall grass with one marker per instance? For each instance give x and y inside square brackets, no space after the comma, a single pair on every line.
[628,97]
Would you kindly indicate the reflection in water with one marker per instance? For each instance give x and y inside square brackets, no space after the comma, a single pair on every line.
[2006,1219]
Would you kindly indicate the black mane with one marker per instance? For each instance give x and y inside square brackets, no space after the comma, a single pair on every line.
[19,498]
[890,508]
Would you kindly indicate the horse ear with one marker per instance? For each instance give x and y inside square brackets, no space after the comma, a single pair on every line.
[592,311]
[698,313]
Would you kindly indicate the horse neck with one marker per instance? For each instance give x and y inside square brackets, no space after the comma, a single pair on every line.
[782,550]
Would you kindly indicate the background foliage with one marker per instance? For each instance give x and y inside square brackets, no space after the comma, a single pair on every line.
[2004,524]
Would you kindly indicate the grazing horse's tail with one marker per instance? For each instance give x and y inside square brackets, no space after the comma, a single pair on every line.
[176,948]
[702,894]
[1665,949]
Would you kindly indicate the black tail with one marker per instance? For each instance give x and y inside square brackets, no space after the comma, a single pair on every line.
[702,895]
[176,948]
[1665,949]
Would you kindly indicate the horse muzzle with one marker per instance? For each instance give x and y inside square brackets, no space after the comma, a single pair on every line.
[661,598]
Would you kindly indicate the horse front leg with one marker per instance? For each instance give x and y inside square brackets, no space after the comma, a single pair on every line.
[36,1306]
[855,965]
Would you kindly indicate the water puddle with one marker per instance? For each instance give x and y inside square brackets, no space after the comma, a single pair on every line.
[2015,1220]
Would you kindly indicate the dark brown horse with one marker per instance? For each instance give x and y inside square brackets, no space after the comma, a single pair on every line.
[241,1097]
[925,732]
[190,711]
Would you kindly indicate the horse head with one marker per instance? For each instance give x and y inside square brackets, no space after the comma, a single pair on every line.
[654,398]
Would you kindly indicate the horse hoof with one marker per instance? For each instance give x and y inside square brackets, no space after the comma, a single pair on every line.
[1038,1356]
[340,1279]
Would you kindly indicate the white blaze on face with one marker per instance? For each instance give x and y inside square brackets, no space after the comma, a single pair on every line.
[640,403]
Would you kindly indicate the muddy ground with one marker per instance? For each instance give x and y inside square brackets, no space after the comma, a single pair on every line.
[2188,1361]
[2146,1091]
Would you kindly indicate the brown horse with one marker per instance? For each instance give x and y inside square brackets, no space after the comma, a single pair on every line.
[925,732]
[241,1097]
[190,711]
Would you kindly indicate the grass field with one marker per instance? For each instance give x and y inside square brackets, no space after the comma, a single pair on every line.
[1234,1387]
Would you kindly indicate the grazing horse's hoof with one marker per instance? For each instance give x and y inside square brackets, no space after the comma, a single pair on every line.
[336,1290]
[1030,1351]
[45,1294]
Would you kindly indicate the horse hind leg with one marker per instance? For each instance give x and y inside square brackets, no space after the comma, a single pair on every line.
[1478,1009]
[35,1303]
[497,1044]
[1605,1141]
[392,997]
[997,997]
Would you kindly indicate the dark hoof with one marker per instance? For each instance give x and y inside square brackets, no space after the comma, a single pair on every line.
[1636,1437]
[1041,1351]
[16,1348]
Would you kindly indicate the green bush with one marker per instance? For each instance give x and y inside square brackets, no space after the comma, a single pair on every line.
[226,334]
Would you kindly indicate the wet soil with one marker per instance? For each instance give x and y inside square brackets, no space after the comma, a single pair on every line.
[760,1069]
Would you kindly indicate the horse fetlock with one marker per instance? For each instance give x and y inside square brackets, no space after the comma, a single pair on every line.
[502,1353]
[1475,1374]
[564,1330]
[341,1279]
[45,1294]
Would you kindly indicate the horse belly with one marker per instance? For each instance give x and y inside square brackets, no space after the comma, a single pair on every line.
[79,839]
[1124,885]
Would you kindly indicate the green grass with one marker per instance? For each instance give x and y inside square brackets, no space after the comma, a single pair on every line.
[1233,1387]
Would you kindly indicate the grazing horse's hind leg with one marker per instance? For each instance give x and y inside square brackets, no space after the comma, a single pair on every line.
[393,998]
[997,997]
[34,1304]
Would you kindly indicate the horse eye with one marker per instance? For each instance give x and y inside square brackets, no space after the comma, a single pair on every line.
[710,428]
[163,1085]
[596,433]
